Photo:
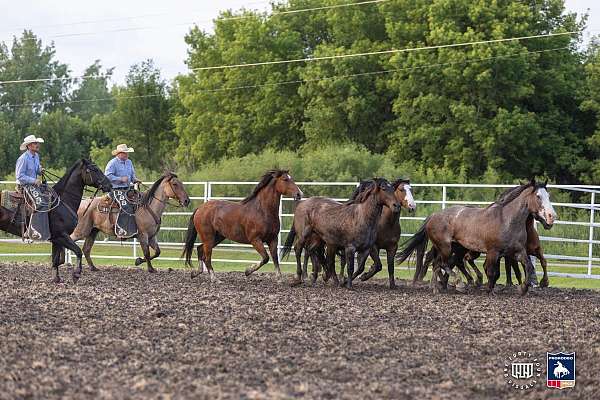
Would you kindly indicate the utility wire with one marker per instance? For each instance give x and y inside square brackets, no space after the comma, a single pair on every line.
[236,18]
[300,81]
[393,51]
[340,56]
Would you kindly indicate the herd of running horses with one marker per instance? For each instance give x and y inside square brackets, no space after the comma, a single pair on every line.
[323,228]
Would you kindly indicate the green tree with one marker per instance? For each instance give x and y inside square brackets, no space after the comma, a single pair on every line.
[92,96]
[142,116]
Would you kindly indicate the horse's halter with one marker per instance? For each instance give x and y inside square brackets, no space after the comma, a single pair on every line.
[167,202]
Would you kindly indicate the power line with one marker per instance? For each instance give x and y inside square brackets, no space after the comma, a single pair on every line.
[340,56]
[299,81]
[393,51]
[236,18]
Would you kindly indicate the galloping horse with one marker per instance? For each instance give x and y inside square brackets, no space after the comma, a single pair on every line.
[254,220]
[147,217]
[351,226]
[63,218]
[497,230]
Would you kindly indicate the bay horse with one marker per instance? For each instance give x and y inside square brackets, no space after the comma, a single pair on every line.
[147,217]
[351,226]
[497,230]
[63,218]
[254,220]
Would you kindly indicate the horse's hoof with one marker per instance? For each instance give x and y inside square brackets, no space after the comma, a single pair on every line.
[57,280]
[151,270]
[76,277]
[138,261]
[93,268]
[296,282]
[544,283]
[523,289]
[248,272]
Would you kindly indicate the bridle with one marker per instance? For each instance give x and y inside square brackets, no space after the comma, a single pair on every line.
[167,201]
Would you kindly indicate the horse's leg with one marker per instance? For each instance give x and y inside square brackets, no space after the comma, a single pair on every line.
[260,248]
[68,243]
[517,270]
[540,256]
[304,272]
[300,271]
[274,256]
[56,250]
[508,266]
[491,261]
[87,248]
[460,264]
[143,240]
[477,272]
[316,264]
[375,268]
[350,265]
[529,272]
[390,252]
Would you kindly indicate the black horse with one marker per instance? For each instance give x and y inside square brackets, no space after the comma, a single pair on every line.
[63,218]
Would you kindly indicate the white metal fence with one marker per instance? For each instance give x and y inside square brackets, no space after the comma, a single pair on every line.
[581,215]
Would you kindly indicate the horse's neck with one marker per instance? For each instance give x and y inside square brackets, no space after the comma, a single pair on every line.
[268,201]
[389,217]
[369,210]
[516,212]
[72,191]
[158,202]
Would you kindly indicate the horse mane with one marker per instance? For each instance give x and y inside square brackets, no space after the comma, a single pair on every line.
[364,190]
[512,193]
[264,182]
[62,182]
[399,182]
[148,195]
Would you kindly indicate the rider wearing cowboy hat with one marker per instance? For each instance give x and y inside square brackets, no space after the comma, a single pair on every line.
[28,166]
[120,169]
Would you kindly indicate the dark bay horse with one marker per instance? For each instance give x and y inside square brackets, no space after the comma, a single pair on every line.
[254,220]
[497,230]
[351,226]
[63,218]
[147,217]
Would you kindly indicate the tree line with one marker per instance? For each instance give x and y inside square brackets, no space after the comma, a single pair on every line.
[503,111]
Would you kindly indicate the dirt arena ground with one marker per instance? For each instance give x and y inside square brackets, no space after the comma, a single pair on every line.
[123,333]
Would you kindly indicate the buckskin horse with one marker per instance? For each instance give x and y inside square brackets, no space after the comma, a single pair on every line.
[351,226]
[63,218]
[497,230]
[93,220]
[254,220]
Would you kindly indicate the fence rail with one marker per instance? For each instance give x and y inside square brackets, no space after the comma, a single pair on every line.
[580,214]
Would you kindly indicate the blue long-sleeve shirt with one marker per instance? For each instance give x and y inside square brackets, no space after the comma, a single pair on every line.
[116,168]
[28,168]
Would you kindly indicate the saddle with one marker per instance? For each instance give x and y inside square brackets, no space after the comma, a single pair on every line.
[125,203]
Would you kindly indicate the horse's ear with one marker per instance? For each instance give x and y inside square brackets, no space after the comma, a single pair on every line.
[546,182]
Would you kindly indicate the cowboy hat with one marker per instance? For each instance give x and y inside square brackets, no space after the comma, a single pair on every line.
[28,140]
[122,148]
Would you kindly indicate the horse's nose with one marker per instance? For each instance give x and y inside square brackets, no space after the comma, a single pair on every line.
[298,195]
[397,207]
[186,202]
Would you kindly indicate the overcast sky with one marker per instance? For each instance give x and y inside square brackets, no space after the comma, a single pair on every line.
[118,43]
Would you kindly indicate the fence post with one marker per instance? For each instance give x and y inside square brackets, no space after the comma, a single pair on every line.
[134,248]
[591,237]
[444,197]
[280,223]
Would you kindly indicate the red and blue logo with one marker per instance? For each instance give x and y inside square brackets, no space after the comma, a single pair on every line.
[560,370]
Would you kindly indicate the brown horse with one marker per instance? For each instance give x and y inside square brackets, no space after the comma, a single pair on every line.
[497,230]
[254,220]
[147,217]
[351,226]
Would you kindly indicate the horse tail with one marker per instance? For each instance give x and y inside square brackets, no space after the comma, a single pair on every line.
[417,242]
[190,239]
[289,242]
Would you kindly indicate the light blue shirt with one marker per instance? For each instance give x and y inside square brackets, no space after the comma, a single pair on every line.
[28,168]
[116,168]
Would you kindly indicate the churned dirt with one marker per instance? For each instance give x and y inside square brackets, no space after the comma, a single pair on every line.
[125,333]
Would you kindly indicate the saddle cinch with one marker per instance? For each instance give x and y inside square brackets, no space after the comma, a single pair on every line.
[30,210]
[125,203]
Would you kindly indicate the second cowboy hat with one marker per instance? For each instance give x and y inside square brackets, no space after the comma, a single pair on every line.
[28,140]
[122,148]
